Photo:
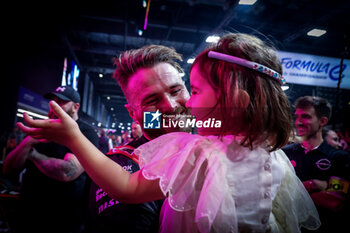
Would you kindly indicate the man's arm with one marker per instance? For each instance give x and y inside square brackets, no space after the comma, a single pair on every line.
[65,170]
[315,185]
[15,160]
[110,176]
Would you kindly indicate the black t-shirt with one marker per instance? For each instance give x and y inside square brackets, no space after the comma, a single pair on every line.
[103,144]
[109,215]
[321,163]
[57,204]
[88,132]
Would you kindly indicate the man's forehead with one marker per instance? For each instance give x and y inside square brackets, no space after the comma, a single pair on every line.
[307,110]
[332,133]
[159,72]
[162,74]
[148,81]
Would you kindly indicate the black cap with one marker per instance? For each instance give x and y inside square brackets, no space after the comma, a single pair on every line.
[66,93]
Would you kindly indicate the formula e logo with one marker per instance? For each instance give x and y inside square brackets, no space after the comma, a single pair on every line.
[151,120]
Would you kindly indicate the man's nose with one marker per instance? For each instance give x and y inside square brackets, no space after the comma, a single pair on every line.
[170,104]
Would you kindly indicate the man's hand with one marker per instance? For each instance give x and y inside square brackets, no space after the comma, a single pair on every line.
[320,185]
[32,154]
[315,185]
[62,130]
[15,160]
[29,141]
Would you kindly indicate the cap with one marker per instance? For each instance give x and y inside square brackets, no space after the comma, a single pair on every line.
[66,93]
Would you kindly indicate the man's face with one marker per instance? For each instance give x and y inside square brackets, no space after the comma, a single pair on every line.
[157,88]
[67,106]
[306,122]
[332,139]
[136,130]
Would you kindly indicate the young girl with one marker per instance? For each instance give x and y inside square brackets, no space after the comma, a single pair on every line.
[228,179]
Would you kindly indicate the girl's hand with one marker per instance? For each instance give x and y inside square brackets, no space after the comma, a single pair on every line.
[62,130]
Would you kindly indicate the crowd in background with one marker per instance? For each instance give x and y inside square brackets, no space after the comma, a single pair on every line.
[107,139]
[323,174]
[335,135]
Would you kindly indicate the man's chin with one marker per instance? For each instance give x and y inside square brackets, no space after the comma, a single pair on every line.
[300,133]
[172,130]
[154,133]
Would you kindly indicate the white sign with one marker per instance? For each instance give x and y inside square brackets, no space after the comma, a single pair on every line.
[313,70]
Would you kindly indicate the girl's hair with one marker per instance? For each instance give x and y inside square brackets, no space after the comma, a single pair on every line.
[268,115]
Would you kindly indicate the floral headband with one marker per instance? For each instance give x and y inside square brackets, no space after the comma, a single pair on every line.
[249,64]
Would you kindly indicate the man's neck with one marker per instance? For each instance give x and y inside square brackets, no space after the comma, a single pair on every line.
[147,137]
[312,142]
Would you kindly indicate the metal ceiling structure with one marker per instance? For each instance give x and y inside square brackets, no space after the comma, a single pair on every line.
[95,32]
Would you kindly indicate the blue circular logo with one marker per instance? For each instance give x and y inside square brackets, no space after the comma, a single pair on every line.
[334,72]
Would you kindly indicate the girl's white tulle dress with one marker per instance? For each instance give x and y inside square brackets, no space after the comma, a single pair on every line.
[217,185]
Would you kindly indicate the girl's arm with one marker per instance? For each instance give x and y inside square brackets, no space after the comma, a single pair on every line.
[112,178]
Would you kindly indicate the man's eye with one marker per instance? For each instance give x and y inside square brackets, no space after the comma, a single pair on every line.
[174,92]
[151,101]
[193,92]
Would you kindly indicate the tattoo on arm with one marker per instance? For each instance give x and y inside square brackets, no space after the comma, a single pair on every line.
[67,169]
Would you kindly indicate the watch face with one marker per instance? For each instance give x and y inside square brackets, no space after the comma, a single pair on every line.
[339,185]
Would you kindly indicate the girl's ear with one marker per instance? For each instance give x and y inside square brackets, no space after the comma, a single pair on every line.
[243,99]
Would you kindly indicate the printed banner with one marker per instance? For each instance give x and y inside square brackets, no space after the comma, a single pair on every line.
[32,101]
[306,69]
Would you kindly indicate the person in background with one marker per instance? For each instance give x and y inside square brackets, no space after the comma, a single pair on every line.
[126,138]
[331,137]
[11,141]
[118,141]
[136,131]
[52,192]
[344,140]
[324,170]
[211,181]
[103,144]
[112,141]
[12,181]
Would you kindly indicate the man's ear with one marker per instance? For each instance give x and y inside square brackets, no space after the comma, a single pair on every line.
[132,113]
[76,106]
[323,121]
